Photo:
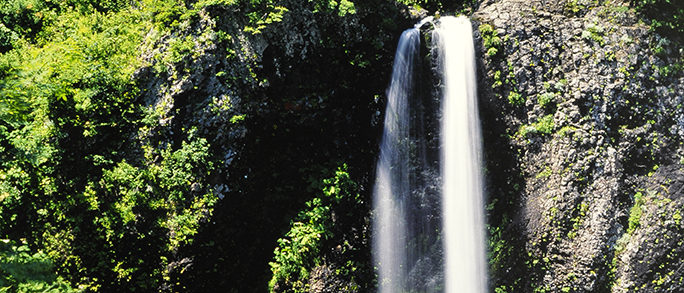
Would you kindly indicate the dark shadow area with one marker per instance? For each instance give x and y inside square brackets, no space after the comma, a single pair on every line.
[316,113]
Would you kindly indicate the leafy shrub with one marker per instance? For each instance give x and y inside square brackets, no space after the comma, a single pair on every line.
[341,7]
[635,213]
[490,37]
[167,14]
[300,252]
[544,125]
[261,17]
[515,98]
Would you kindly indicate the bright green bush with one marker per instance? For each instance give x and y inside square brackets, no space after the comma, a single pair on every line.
[68,109]
[514,98]
[545,124]
[490,38]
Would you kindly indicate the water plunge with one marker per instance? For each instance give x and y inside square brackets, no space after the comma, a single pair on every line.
[428,227]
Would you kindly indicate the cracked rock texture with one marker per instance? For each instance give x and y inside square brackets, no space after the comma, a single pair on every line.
[583,148]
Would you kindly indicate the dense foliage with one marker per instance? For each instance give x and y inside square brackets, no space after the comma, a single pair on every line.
[107,212]
[106,184]
[300,252]
[25,271]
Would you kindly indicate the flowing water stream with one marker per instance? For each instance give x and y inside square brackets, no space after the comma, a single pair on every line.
[428,226]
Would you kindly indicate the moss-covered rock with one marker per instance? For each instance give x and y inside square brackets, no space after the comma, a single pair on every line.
[595,69]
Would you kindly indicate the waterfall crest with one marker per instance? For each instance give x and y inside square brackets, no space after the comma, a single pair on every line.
[428,219]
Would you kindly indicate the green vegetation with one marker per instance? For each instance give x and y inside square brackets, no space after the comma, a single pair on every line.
[594,32]
[545,125]
[515,98]
[545,99]
[298,254]
[581,213]
[545,173]
[635,213]
[666,17]
[22,270]
[663,216]
[491,39]
[578,7]
[503,79]
[68,185]
[498,249]
[108,184]
[104,212]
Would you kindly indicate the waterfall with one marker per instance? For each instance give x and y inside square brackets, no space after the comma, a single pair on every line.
[462,204]
[428,219]
[392,186]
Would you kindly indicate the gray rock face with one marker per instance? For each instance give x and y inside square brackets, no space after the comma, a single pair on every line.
[581,102]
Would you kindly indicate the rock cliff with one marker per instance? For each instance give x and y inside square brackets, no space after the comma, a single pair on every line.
[583,148]
[230,145]
[284,102]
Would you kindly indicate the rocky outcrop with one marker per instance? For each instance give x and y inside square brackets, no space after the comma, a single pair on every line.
[281,96]
[588,117]
[583,127]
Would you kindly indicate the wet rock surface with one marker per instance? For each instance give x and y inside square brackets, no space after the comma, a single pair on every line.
[587,119]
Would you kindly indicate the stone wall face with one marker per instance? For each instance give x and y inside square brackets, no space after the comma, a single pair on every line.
[583,147]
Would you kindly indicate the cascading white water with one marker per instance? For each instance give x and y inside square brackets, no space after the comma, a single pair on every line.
[462,203]
[410,253]
[392,186]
